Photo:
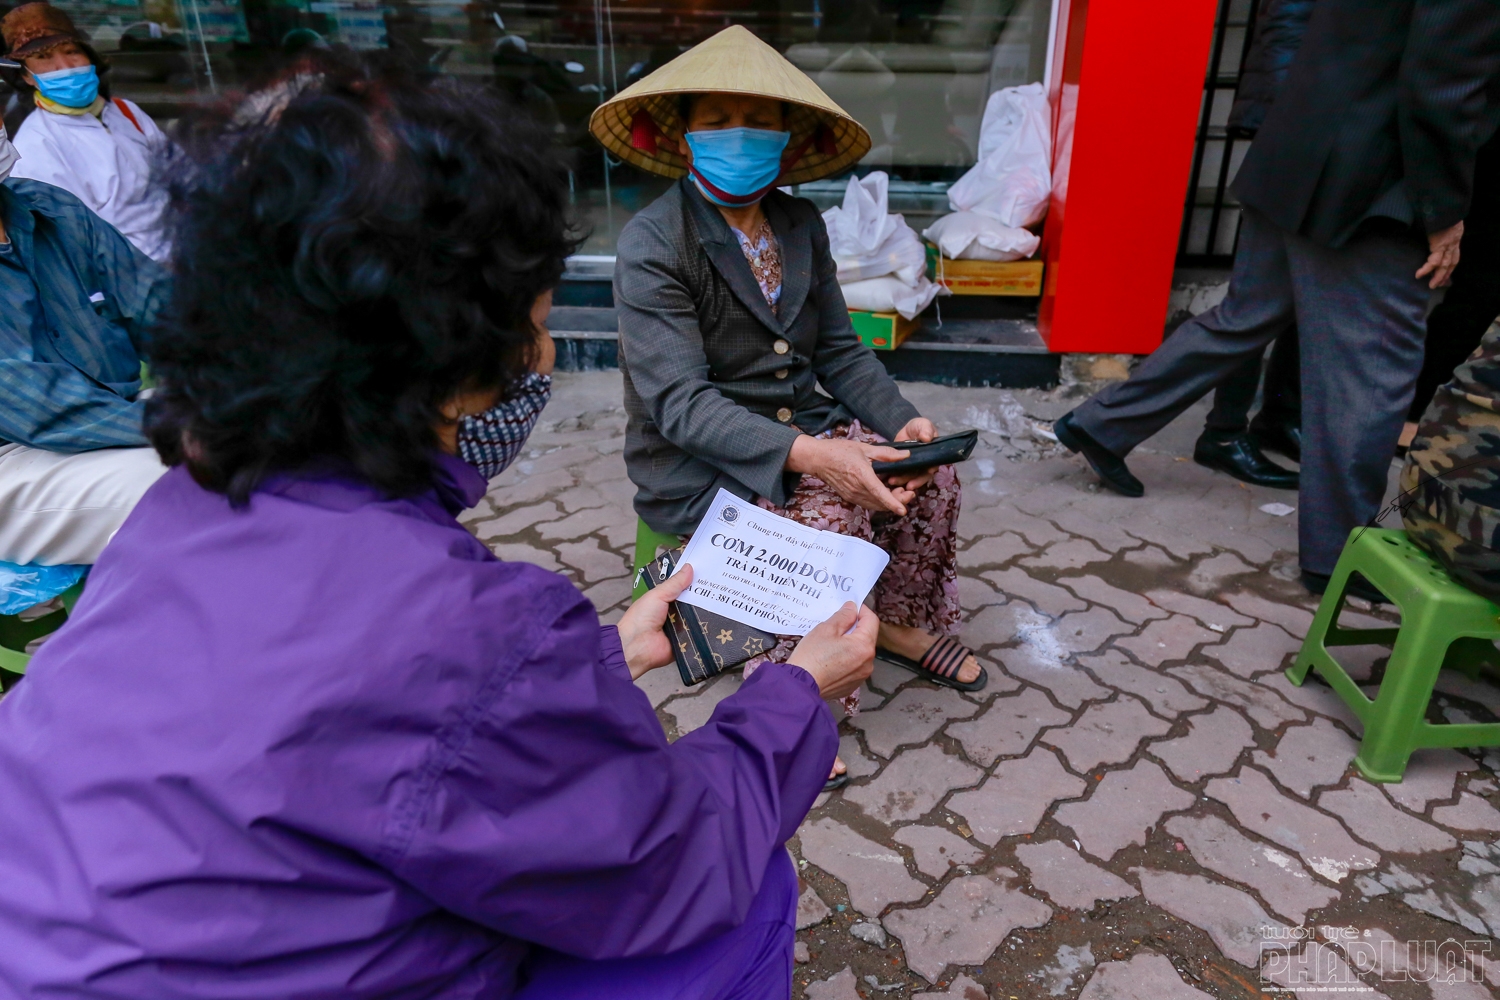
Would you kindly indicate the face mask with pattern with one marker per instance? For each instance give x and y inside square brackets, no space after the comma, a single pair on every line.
[490,441]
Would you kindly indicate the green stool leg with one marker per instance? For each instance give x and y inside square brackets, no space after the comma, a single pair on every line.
[1399,708]
[647,544]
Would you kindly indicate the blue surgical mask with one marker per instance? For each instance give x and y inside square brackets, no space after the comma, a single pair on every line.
[736,166]
[72,88]
[491,440]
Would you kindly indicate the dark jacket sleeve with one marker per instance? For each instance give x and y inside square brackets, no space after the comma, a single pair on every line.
[1278,35]
[1449,92]
[566,819]
[845,366]
[663,347]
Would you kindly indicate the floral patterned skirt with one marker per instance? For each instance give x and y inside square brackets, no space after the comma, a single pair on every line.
[919,587]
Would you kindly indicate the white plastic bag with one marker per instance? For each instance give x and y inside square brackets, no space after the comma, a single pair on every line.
[867,242]
[890,294]
[971,236]
[1012,181]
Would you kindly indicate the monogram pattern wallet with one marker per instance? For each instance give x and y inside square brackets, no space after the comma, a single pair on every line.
[703,644]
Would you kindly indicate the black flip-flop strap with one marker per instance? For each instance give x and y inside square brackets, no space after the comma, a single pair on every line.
[945,657]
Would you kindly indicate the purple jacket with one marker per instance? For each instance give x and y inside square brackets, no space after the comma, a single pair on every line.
[330,746]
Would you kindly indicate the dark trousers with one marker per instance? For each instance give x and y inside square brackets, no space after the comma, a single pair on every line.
[1281,402]
[1360,315]
[1473,299]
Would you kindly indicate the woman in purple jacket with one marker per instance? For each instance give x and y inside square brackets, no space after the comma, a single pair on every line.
[306,737]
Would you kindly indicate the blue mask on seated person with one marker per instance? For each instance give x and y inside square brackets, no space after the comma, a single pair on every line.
[72,88]
[491,440]
[736,166]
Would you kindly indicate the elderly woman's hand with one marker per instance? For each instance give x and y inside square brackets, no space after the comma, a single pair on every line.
[905,486]
[646,645]
[845,466]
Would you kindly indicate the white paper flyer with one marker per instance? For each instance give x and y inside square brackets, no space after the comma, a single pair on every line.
[762,569]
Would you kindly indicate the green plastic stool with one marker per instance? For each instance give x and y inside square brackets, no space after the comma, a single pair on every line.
[647,544]
[1443,624]
[15,633]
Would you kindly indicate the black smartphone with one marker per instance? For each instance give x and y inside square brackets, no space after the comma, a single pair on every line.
[945,450]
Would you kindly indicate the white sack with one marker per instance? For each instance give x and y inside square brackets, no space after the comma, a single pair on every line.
[971,236]
[890,294]
[1012,181]
[866,241]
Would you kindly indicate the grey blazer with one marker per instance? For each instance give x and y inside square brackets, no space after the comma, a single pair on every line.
[710,400]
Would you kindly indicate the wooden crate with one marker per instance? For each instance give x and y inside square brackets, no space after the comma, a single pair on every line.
[883,331]
[986,277]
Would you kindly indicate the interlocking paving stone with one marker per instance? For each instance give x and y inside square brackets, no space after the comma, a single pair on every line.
[509,525]
[1106,734]
[1152,558]
[661,684]
[962,988]
[936,849]
[1251,651]
[887,677]
[609,593]
[1316,972]
[974,593]
[1471,814]
[1123,809]
[521,552]
[912,783]
[1430,776]
[1035,530]
[1071,554]
[1279,878]
[692,711]
[1232,918]
[811,910]
[858,765]
[1166,695]
[964,924]
[1070,881]
[592,561]
[1076,522]
[1129,606]
[1048,599]
[1295,620]
[1259,702]
[1085,631]
[1147,976]
[994,550]
[1372,818]
[585,522]
[875,876]
[912,716]
[1209,575]
[1166,639]
[999,623]
[1309,756]
[839,986]
[1039,661]
[1014,798]
[1207,612]
[1319,838]
[1213,743]
[1007,728]
[1313,695]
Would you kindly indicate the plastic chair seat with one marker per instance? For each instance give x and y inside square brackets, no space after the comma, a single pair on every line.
[16,633]
[647,544]
[1443,623]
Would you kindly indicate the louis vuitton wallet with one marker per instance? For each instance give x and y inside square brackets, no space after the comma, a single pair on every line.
[703,644]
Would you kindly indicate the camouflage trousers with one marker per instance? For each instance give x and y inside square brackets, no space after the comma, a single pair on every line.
[1456,531]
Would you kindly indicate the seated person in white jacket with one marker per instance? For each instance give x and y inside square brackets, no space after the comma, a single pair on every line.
[95,147]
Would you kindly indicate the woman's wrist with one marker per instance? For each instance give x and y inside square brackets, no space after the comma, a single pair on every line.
[802,458]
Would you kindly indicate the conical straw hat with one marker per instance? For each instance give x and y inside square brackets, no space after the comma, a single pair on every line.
[641,124]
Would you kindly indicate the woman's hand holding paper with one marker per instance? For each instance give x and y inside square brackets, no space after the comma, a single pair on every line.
[845,466]
[646,645]
[840,653]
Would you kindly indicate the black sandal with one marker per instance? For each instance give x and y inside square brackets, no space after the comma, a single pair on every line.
[940,664]
[836,782]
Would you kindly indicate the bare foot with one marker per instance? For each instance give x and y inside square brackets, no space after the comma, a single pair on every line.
[838,768]
[913,643]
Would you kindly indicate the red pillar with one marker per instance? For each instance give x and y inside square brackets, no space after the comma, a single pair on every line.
[1126,89]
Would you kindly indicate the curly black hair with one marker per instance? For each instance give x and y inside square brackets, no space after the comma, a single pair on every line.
[352,247]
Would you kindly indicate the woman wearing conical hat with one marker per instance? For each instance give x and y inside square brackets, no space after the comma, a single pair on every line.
[731,320]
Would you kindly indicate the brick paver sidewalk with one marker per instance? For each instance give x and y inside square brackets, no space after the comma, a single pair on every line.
[1139,801]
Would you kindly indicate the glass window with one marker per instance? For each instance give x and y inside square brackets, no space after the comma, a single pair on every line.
[916,73]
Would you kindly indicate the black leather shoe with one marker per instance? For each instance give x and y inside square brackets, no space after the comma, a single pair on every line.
[1317,583]
[1283,439]
[1109,467]
[1240,458]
